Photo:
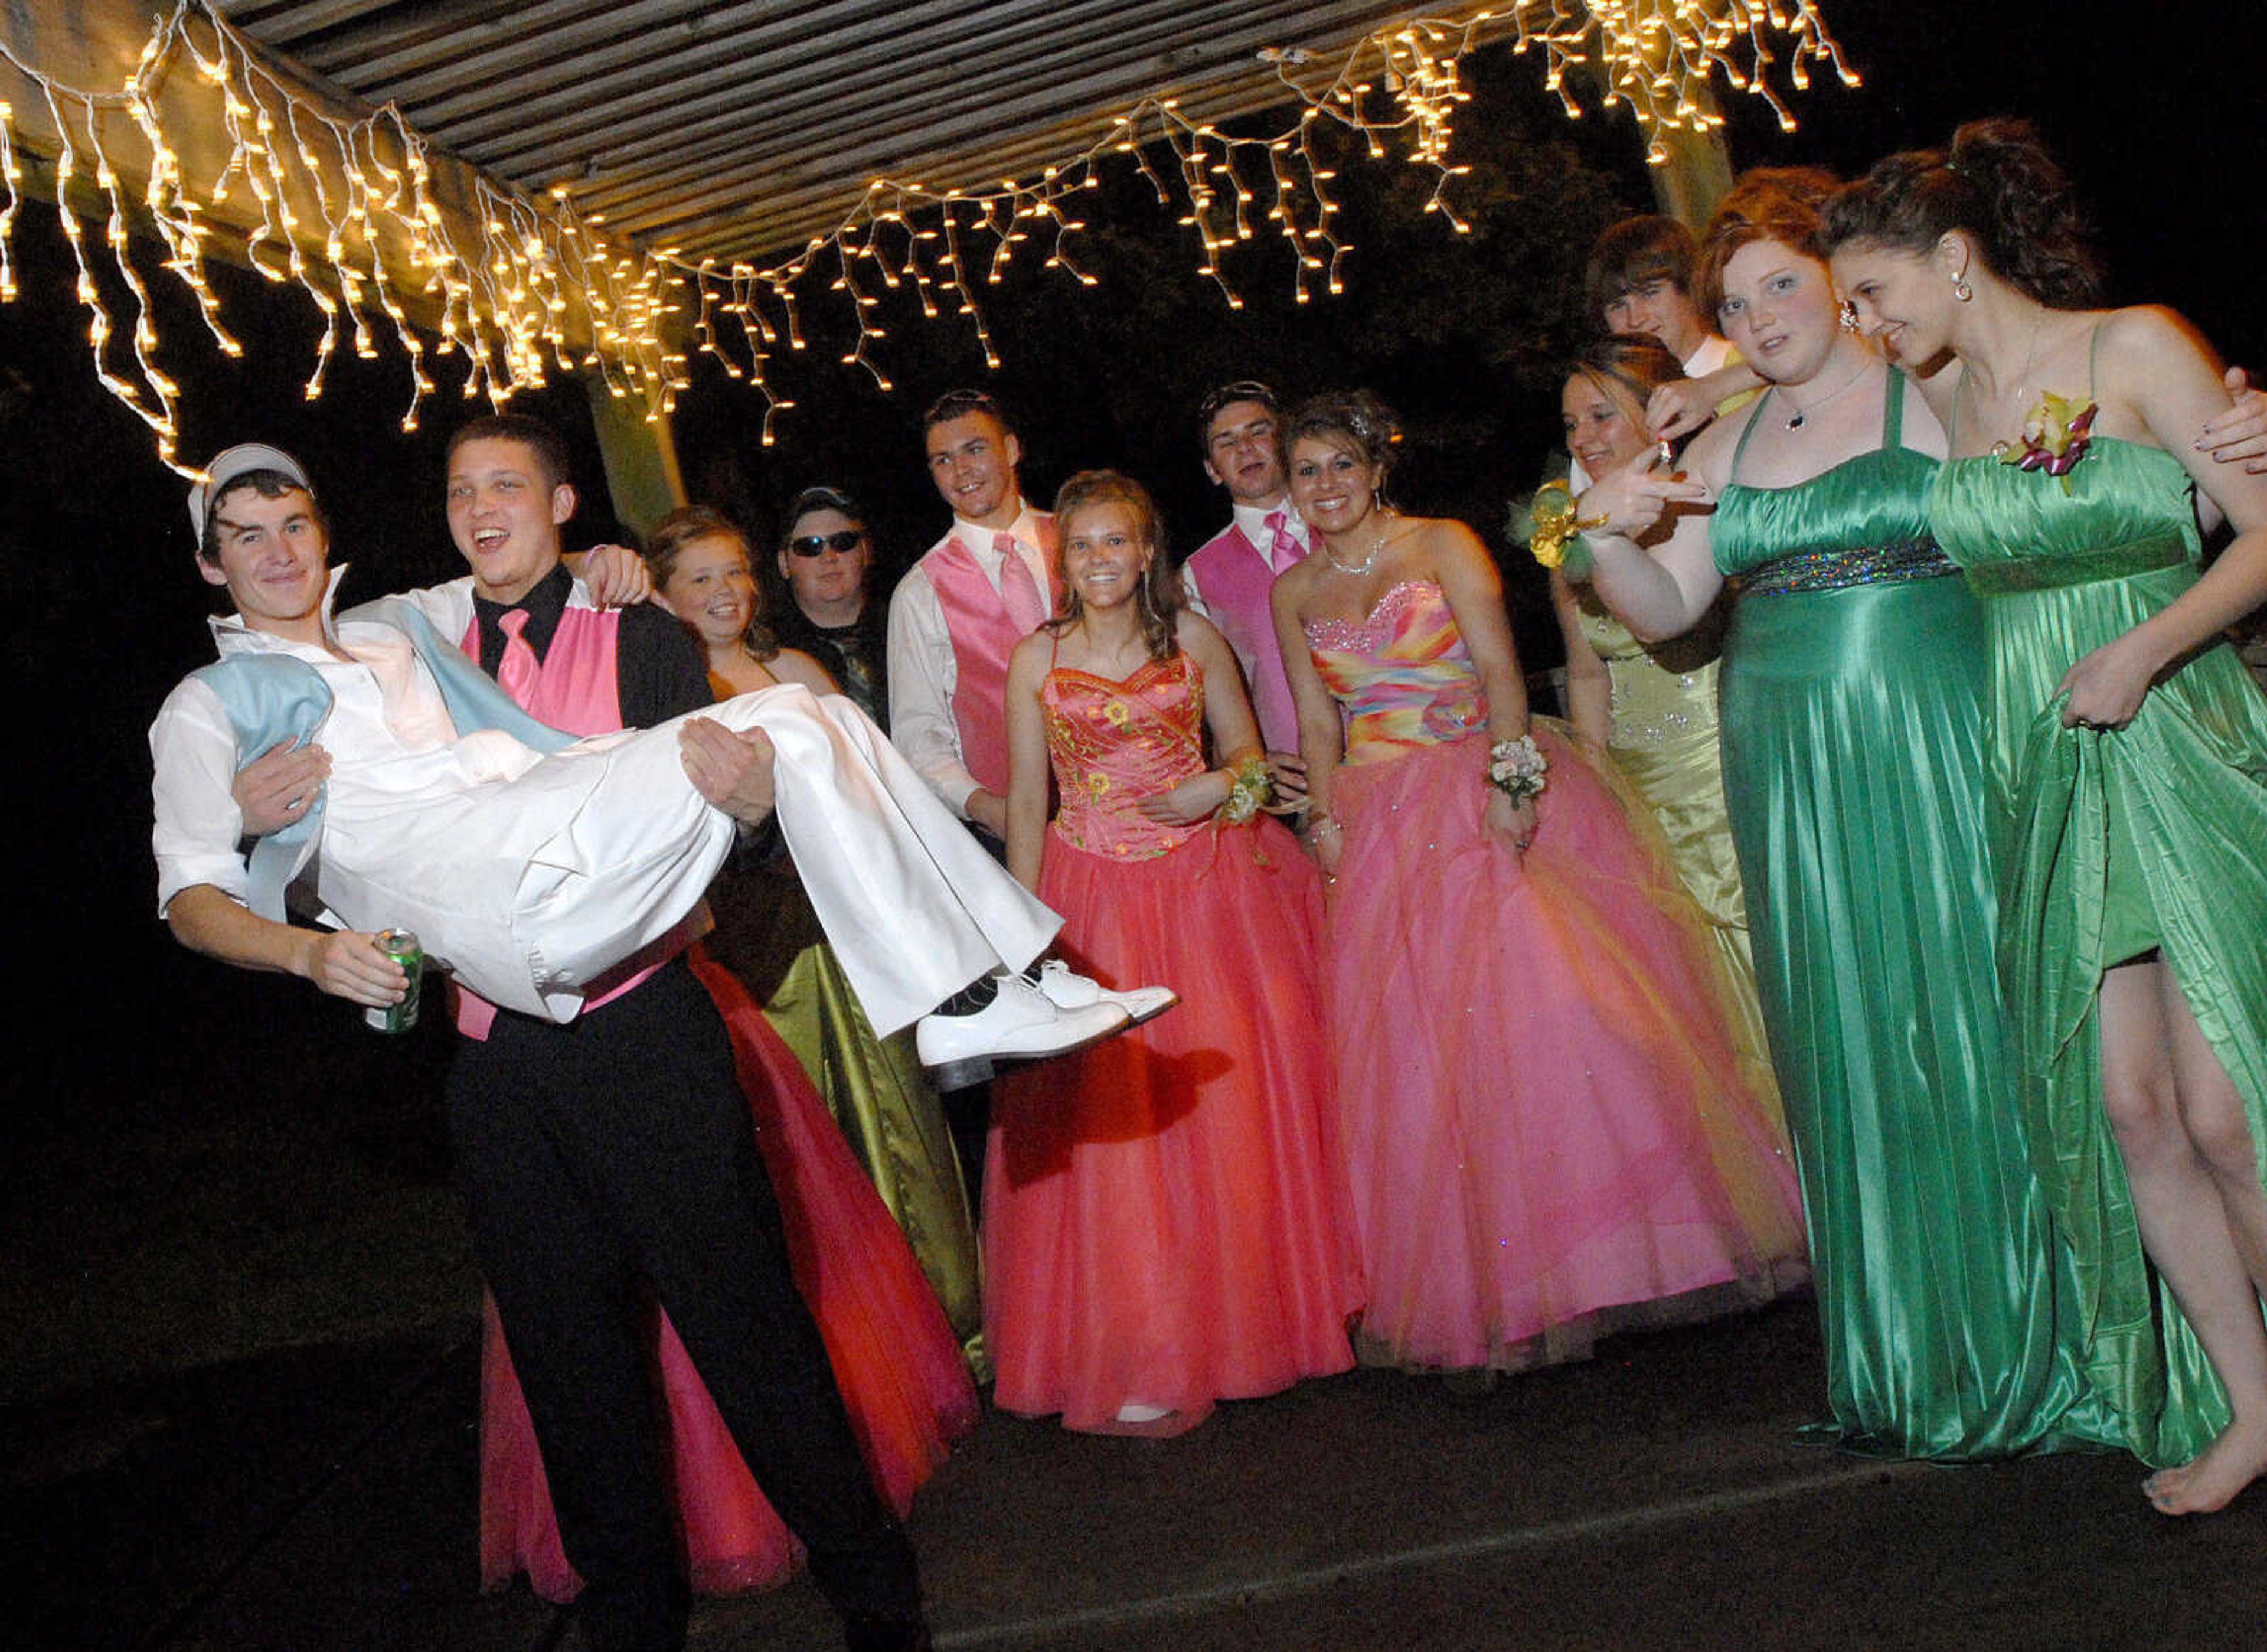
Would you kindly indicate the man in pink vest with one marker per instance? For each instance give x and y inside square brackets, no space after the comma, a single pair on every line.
[614,1155]
[960,610]
[1228,578]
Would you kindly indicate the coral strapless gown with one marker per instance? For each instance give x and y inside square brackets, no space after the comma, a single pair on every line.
[1163,1222]
[896,1359]
[1545,1128]
[2112,843]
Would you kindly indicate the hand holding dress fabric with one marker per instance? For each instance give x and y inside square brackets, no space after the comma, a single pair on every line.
[2105,689]
[732,771]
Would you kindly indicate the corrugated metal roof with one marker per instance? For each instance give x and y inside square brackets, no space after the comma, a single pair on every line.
[742,131]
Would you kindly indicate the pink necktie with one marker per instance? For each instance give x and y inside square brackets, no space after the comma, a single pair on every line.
[517,670]
[1019,592]
[1285,549]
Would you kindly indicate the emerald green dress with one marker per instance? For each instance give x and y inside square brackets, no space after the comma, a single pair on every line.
[1853,685]
[2112,843]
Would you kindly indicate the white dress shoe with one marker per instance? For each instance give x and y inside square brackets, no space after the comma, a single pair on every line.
[1020,1024]
[1070,990]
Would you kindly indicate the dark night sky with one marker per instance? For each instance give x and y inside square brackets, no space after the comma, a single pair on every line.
[2162,134]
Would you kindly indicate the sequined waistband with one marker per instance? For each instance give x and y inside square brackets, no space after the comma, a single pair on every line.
[2092,568]
[1838,570]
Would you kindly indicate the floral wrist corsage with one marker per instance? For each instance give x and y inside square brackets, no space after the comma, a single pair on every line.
[1250,784]
[1516,767]
[1553,524]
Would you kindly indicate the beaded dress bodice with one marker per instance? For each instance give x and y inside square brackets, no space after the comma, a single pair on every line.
[1112,743]
[1403,676]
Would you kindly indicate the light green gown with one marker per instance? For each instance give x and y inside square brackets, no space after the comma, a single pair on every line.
[2112,843]
[1662,736]
[1853,686]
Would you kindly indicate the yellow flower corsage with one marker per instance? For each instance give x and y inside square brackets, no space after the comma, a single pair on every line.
[1553,524]
[1251,786]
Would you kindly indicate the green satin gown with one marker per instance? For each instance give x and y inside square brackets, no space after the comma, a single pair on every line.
[2112,843]
[1662,736]
[767,934]
[1853,764]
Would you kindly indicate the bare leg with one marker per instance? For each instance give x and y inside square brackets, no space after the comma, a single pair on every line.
[2152,1054]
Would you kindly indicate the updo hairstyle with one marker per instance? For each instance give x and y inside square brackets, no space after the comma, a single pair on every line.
[1639,362]
[1768,203]
[1997,184]
[1355,420]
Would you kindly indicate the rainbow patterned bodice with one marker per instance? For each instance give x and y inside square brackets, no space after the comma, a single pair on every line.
[1403,676]
[1113,744]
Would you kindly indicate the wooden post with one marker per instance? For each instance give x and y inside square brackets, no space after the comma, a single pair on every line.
[640,457]
[1695,177]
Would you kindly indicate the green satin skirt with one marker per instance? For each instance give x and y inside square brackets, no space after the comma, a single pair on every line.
[1853,768]
[2122,841]
[889,1112]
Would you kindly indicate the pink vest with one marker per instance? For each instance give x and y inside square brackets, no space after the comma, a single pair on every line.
[580,691]
[982,636]
[1233,579]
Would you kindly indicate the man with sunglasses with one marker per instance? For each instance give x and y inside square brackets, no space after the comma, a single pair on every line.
[1228,578]
[960,610]
[825,558]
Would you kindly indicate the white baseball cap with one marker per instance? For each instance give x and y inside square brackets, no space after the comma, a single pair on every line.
[228,465]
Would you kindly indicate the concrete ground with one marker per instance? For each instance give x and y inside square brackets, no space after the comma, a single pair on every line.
[324,1498]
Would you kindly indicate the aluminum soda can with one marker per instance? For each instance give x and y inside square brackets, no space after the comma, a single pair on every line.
[402,948]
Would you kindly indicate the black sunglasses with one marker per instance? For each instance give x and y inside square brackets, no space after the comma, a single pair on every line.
[817,544]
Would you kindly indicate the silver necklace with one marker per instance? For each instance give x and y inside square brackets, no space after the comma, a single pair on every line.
[1358,569]
[1802,415]
[2023,384]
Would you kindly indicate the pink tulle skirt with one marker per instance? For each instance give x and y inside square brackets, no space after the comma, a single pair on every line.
[1164,1221]
[1546,1133]
[897,1361]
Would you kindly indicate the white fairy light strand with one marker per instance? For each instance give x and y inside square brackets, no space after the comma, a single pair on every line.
[535,276]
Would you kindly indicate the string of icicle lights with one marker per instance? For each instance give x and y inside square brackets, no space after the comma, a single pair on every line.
[347,211]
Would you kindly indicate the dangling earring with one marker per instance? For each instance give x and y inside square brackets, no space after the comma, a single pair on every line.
[1848,315]
[1961,290]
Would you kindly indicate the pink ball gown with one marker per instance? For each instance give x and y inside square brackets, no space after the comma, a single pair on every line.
[1546,1133]
[896,1359]
[1163,1222]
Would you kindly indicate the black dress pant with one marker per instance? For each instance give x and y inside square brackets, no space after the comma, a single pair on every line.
[613,1156]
